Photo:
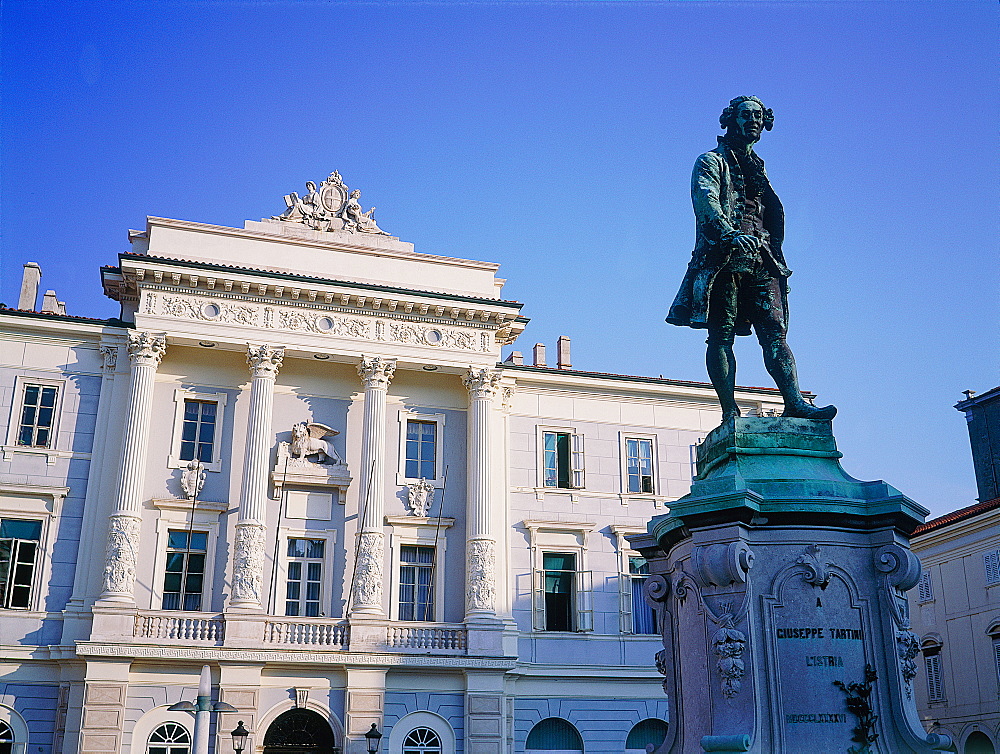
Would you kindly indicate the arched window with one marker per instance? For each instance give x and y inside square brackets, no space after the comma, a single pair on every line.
[299,731]
[651,731]
[169,738]
[422,741]
[554,734]
[979,743]
[6,738]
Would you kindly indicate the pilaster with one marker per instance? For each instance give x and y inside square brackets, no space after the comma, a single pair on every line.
[485,721]
[248,550]
[366,599]
[365,702]
[104,701]
[145,351]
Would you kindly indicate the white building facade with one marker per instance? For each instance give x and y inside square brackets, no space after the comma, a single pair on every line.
[297,458]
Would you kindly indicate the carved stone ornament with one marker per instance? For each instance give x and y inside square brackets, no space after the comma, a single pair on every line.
[481,570]
[908,647]
[265,360]
[146,348]
[248,563]
[120,557]
[308,440]
[368,571]
[376,372]
[900,572]
[483,383]
[330,206]
[722,564]
[728,645]
[193,479]
[418,495]
[816,569]
[110,354]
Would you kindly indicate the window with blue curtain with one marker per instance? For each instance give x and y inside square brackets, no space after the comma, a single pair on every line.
[421,449]
[639,464]
[416,583]
[554,734]
[645,732]
[643,616]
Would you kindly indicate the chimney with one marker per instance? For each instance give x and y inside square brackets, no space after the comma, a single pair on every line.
[50,304]
[562,353]
[516,358]
[29,286]
[539,355]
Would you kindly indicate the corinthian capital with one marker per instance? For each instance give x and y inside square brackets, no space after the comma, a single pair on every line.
[483,383]
[264,360]
[376,371]
[146,348]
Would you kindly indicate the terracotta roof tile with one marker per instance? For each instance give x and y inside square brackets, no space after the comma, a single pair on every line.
[960,515]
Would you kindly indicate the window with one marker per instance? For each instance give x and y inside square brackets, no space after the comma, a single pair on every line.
[562,460]
[184,575]
[422,741]
[421,449]
[169,738]
[645,732]
[304,578]
[559,585]
[639,465]
[562,593]
[992,562]
[6,738]
[643,616]
[416,583]
[932,665]
[554,734]
[198,431]
[924,591]
[37,420]
[19,545]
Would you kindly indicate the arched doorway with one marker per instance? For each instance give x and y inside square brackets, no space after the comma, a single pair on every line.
[300,731]
[979,743]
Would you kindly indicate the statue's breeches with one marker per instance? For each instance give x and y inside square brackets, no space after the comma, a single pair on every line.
[754,296]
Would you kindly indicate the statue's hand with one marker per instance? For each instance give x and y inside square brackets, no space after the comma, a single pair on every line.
[747,244]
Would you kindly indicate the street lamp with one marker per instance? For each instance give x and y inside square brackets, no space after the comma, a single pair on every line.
[240,738]
[373,737]
[203,709]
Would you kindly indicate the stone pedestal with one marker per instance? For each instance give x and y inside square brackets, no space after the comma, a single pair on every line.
[779,584]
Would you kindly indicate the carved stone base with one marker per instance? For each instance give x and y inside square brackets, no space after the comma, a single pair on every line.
[248,566]
[367,594]
[786,578]
[120,558]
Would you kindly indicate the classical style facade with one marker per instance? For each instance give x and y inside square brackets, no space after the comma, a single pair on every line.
[297,458]
[955,609]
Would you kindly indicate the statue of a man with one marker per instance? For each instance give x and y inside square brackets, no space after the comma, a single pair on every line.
[737,278]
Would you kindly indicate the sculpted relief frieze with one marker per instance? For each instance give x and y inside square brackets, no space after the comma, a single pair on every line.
[319,321]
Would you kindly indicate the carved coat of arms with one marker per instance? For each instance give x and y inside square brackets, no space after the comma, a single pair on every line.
[330,206]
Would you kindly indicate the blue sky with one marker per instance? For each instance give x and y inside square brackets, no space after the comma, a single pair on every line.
[557,139]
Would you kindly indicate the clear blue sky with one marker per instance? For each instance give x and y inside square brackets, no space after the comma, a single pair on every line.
[557,139]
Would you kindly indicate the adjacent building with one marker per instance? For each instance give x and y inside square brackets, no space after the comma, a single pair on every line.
[298,458]
[955,609]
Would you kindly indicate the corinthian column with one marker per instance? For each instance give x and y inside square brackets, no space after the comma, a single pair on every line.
[145,351]
[248,552]
[366,598]
[481,560]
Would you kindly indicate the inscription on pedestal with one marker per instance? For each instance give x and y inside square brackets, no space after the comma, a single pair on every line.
[817,637]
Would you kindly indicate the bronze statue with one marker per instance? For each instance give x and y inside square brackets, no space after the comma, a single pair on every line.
[737,278]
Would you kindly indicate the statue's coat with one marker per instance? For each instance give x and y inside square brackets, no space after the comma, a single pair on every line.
[717,192]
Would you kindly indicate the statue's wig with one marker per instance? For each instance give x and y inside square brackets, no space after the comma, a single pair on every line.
[728,118]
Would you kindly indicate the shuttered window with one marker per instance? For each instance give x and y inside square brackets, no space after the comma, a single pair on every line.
[935,689]
[992,562]
[924,591]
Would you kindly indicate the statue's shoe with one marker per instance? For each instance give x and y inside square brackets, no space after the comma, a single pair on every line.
[805,411]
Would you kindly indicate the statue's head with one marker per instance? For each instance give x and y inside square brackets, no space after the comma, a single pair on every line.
[746,116]
[311,185]
[356,194]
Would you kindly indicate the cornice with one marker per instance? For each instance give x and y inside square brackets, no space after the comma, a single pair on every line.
[82,326]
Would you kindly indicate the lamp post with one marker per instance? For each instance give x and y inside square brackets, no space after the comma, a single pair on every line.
[372,738]
[203,709]
[239,738]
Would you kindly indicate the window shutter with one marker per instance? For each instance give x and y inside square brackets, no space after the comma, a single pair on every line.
[996,657]
[625,602]
[924,591]
[992,563]
[577,461]
[935,692]
[584,601]
[538,601]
